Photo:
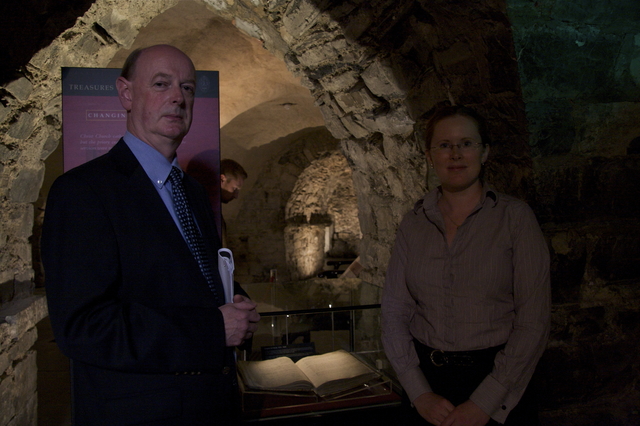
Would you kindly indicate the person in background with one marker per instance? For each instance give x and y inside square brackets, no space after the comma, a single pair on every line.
[466,302]
[232,177]
[129,247]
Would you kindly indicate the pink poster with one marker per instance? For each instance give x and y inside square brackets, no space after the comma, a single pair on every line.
[93,121]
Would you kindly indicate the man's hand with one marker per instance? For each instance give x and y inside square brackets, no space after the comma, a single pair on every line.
[433,408]
[240,320]
[466,414]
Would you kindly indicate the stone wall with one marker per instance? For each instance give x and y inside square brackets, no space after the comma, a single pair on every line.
[18,396]
[569,71]
[579,68]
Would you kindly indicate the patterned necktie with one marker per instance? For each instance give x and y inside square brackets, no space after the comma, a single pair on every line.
[190,229]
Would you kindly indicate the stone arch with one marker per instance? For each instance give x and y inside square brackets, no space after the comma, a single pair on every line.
[321,216]
[369,76]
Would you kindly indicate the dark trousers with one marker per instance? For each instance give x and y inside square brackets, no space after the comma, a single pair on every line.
[457,383]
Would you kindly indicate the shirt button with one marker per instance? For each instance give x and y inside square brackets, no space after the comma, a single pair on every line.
[504,407]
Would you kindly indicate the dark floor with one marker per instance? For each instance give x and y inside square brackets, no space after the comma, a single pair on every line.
[54,391]
[54,395]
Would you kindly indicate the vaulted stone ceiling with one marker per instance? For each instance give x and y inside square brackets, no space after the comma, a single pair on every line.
[260,100]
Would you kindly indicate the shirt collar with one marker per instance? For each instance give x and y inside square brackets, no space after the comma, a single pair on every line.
[154,164]
[430,200]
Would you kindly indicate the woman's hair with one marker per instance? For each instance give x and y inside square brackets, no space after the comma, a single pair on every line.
[446,111]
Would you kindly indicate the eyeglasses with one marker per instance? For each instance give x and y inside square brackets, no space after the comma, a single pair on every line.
[447,148]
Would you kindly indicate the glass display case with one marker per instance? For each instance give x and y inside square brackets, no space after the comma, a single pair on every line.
[318,316]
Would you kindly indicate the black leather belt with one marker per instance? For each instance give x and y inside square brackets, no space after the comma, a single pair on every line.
[459,359]
[441,358]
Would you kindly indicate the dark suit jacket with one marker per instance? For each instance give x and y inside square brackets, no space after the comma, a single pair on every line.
[127,301]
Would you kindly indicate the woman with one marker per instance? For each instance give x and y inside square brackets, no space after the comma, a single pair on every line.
[466,303]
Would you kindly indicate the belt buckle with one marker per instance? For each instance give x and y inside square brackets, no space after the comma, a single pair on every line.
[433,354]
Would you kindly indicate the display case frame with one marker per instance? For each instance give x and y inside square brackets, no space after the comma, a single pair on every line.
[329,314]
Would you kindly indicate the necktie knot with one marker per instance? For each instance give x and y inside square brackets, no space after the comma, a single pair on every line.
[175,176]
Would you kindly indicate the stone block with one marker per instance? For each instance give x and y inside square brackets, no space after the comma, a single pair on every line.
[381,79]
[22,217]
[4,112]
[7,155]
[360,99]
[24,254]
[327,50]
[23,127]
[315,56]
[20,348]
[20,88]
[17,317]
[53,108]
[18,397]
[7,398]
[27,415]
[394,122]
[49,146]
[23,281]
[25,187]
[333,123]
[353,127]
[86,46]
[5,362]
[340,82]
[50,60]
[249,28]
[25,384]
[117,26]
[301,15]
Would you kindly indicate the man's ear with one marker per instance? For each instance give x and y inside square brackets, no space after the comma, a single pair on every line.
[223,178]
[124,92]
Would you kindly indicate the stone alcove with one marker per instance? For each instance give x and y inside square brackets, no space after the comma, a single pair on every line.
[322,217]
[257,232]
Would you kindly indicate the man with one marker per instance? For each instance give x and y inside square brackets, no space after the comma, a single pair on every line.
[232,177]
[151,341]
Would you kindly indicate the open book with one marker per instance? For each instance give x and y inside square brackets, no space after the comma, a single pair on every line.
[324,374]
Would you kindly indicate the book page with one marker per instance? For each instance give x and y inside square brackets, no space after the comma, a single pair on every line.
[273,374]
[338,365]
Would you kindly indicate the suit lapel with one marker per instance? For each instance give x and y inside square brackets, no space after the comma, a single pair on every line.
[143,198]
[140,197]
